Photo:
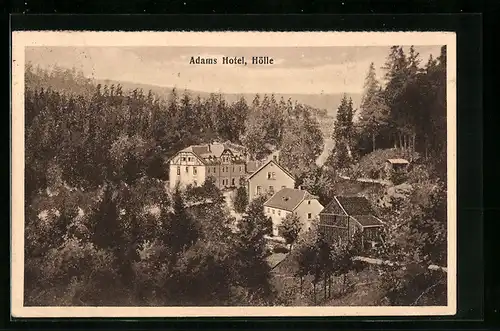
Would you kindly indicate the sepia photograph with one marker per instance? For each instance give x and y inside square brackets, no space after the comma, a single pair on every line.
[233,174]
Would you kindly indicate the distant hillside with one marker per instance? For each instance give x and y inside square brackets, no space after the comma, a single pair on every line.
[330,102]
[68,81]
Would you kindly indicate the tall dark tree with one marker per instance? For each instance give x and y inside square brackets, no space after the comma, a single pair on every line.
[255,272]
[241,198]
[181,230]
[108,232]
[343,135]
[373,110]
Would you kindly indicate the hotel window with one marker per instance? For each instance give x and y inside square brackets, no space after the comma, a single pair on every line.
[227,169]
[208,170]
[308,202]
[195,171]
[273,175]
[240,168]
[178,171]
[259,189]
[309,216]
[234,182]
[215,170]
[184,159]
[187,169]
[275,158]
[271,189]
[273,211]
[268,210]
[189,159]
[233,168]
[279,212]
[268,175]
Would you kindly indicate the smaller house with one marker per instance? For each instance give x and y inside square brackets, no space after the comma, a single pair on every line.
[288,200]
[268,179]
[397,166]
[345,216]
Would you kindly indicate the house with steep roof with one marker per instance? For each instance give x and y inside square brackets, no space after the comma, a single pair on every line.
[345,216]
[225,162]
[268,179]
[287,201]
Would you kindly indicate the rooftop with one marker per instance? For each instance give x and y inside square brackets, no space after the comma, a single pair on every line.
[349,206]
[397,161]
[368,220]
[213,151]
[288,199]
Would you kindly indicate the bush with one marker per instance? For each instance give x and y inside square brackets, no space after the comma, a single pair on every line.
[419,174]
[372,165]
[397,177]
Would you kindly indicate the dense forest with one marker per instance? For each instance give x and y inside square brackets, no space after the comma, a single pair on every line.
[95,163]
[98,217]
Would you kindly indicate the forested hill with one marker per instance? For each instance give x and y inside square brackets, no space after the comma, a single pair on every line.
[328,102]
[72,82]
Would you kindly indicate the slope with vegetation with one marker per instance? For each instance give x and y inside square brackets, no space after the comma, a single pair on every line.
[98,217]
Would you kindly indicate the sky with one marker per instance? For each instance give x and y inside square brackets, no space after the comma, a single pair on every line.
[296,70]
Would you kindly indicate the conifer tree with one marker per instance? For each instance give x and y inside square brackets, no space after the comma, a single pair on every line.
[241,199]
[374,113]
[254,270]
[182,230]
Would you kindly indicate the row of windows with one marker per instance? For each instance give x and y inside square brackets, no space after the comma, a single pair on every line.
[184,159]
[195,170]
[226,182]
[274,211]
[278,211]
[270,189]
[224,169]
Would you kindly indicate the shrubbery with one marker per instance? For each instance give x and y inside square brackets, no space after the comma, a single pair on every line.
[372,165]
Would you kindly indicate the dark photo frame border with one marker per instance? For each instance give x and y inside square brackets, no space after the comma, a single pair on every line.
[470,291]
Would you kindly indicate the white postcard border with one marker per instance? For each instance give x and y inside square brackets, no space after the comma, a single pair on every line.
[20,40]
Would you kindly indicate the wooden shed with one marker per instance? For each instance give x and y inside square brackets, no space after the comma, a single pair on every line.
[345,216]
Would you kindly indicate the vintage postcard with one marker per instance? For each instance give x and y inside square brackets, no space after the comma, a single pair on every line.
[233,174]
